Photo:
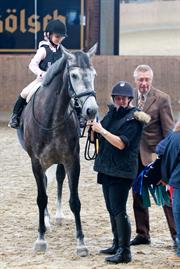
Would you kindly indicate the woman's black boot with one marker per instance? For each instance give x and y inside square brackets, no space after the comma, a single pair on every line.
[113,249]
[123,254]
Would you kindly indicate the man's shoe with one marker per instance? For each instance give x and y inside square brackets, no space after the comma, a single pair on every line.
[139,240]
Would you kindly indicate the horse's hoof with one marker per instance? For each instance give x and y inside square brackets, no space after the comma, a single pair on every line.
[59,221]
[40,245]
[82,251]
[59,217]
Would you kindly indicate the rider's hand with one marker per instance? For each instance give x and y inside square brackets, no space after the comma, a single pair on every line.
[41,75]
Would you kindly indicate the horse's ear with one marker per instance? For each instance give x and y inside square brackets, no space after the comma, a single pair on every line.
[67,53]
[92,51]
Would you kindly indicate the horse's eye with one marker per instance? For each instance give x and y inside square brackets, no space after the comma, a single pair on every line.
[74,76]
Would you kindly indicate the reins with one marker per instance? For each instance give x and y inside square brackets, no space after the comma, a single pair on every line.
[39,124]
[92,140]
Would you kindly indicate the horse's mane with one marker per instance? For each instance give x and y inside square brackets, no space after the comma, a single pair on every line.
[54,69]
[82,60]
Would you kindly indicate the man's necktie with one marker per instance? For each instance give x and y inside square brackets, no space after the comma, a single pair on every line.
[141,101]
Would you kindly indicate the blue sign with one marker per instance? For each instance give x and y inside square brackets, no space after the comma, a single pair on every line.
[22,23]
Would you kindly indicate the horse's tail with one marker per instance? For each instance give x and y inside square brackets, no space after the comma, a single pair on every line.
[51,173]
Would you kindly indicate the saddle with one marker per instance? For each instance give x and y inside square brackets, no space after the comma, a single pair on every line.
[35,87]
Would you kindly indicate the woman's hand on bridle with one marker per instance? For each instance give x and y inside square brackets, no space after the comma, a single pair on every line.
[96,126]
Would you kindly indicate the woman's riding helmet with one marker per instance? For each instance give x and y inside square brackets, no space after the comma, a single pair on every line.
[56,27]
[123,88]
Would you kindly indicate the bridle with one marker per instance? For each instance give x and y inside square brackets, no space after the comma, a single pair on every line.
[73,94]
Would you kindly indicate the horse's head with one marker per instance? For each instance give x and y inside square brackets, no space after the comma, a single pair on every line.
[80,74]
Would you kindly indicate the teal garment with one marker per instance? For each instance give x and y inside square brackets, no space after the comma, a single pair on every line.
[145,197]
[159,194]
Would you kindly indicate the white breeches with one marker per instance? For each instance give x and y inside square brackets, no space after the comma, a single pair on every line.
[30,89]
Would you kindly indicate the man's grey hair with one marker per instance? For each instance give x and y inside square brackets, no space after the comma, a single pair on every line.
[143,68]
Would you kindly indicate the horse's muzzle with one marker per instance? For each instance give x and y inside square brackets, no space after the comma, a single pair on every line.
[91,113]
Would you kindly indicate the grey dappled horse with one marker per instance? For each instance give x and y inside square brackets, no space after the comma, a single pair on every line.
[49,132]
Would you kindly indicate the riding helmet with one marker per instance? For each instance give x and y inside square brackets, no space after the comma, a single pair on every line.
[123,88]
[56,27]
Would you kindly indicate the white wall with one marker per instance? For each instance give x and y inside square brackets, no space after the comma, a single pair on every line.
[151,28]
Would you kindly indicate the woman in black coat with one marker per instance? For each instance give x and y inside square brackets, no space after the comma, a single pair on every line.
[117,164]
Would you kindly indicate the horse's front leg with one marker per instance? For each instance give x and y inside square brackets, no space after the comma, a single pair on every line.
[75,205]
[40,244]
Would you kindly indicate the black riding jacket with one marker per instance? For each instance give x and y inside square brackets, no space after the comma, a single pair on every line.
[111,160]
[50,58]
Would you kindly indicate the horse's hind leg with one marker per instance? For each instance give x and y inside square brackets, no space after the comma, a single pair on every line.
[46,212]
[40,244]
[75,205]
[60,176]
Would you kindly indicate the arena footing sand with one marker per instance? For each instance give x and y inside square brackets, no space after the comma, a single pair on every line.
[19,220]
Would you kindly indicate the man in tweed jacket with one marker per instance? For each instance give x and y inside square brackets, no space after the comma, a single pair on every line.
[157,104]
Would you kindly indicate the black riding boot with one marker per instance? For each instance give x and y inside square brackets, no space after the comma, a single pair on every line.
[112,250]
[123,254]
[17,110]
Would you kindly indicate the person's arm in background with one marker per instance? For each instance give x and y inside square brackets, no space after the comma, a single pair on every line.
[161,146]
[171,162]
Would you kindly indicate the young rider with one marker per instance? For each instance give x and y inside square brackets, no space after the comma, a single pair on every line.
[48,52]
